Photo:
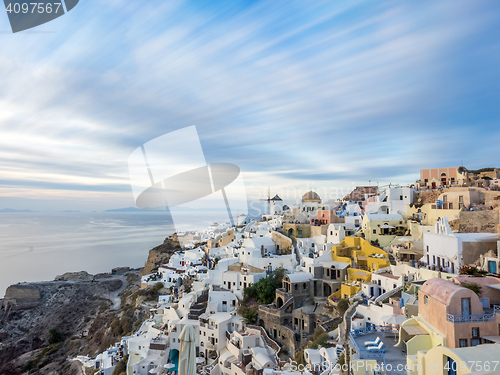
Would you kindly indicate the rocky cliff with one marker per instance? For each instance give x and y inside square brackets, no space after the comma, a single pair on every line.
[80,314]
[161,254]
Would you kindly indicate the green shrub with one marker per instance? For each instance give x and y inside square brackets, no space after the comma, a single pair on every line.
[55,336]
[343,305]
[121,366]
[476,288]
[249,314]
[319,338]
[30,365]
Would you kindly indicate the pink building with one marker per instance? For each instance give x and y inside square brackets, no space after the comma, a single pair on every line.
[457,313]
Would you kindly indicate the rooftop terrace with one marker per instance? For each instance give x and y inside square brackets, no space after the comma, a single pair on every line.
[393,359]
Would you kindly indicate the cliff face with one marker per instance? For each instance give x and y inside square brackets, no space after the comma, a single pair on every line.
[31,310]
[161,254]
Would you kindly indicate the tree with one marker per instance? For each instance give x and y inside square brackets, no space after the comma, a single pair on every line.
[278,274]
[249,314]
[476,288]
[249,292]
[343,305]
[266,290]
[55,336]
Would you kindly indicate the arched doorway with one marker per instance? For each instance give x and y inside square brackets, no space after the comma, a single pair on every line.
[327,290]
[279,302]
[290,232]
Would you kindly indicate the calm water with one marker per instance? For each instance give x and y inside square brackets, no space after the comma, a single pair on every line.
[39,246]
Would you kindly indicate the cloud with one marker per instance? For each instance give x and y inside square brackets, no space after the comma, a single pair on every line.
[333,93]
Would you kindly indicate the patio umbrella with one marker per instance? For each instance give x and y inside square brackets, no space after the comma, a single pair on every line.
[405,239]
[187,355]
[394,319]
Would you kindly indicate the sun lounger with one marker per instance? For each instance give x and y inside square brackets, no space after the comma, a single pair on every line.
[378,347]
[374,342]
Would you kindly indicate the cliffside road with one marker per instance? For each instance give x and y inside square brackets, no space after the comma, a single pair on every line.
[114,296]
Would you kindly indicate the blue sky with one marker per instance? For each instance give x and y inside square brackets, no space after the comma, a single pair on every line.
[298,94]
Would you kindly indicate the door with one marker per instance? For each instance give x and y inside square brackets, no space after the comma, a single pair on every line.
[451,366]
[492,266]
[466,306]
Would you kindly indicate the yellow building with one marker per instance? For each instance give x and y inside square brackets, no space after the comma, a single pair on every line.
[482,359]
[383,228]
[427,214]
[360,254]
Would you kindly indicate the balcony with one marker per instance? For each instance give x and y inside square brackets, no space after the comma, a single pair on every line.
[470,318]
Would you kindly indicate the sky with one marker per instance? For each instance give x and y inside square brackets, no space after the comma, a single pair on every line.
[300,95]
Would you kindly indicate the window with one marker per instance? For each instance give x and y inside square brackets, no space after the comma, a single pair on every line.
[450,206]
[475,332]
[400,197]
[374,231]
[461,198]
[426,180]
[445,198]
[426,300]
[462,343]
[300,232]
[475,342]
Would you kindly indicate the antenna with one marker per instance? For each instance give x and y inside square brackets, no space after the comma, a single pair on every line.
[268,200]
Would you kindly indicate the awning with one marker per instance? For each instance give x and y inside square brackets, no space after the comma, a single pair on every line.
[495,339]
[408,251]
[387,226]
[415,330]
[495,286]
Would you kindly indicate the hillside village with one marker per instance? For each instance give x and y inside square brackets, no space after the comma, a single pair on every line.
[389,278]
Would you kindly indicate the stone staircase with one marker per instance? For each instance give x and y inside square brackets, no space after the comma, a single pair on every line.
[392,259]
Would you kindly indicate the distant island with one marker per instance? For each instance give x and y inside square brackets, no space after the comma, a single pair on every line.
[126,209]
[13,210]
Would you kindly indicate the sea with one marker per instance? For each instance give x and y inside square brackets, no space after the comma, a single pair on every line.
[39,246]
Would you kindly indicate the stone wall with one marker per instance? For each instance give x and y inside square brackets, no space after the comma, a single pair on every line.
[22,294]
[284,242]
[472,250]
[487,221]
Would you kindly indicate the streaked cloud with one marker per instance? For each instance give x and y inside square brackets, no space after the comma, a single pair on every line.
[295,93]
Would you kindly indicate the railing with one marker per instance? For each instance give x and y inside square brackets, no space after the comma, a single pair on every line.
[365,353]
[496,309]
[470,318]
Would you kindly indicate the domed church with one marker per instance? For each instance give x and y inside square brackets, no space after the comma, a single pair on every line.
[311,201]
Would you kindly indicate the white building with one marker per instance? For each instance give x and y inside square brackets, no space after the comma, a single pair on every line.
[448,251]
